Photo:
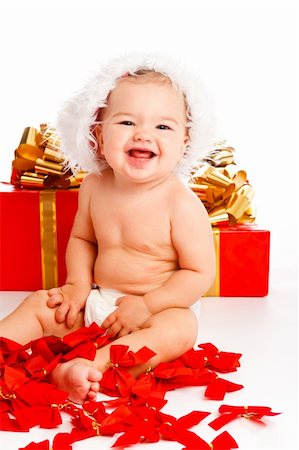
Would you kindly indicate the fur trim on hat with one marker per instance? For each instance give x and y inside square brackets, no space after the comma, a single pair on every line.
[78,117]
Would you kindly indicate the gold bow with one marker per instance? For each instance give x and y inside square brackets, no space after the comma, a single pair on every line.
[39,163]
[223,189]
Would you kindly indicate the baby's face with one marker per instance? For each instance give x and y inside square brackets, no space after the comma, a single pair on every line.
[144,130]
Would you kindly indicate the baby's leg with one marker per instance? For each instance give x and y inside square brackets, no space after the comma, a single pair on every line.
[33,319]
[169,334]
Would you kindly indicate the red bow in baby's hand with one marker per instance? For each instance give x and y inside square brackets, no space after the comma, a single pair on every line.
[229,413]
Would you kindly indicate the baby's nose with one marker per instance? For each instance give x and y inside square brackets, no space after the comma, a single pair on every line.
[142,134]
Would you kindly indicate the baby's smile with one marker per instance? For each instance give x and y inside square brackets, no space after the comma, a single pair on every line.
[139,157]
[143,153]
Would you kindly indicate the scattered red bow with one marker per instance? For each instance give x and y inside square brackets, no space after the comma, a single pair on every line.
[222,442]
[117,381]
[209,356]
[230,413]
[28,398]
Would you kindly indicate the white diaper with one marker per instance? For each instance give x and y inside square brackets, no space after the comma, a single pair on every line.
[99,304]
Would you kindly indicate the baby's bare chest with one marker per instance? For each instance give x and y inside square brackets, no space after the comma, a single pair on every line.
[137,226]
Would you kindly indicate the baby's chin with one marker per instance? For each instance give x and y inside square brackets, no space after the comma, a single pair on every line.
[148,178]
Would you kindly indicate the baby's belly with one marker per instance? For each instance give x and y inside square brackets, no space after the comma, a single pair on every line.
[130,272]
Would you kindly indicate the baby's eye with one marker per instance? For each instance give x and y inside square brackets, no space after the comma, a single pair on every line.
[126,122]
[163,127]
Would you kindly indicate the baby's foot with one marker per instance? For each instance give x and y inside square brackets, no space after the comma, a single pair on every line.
[78,378]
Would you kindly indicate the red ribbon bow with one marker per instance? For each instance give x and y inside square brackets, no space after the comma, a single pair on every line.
[209,356]
[222,442]
[165,377]
[217,389]
[28,398]
[11,352]
[43,445]
[116,379]
[143,427]
[149,424]
[40,404]
[85,342]
[177,429]
[230,413]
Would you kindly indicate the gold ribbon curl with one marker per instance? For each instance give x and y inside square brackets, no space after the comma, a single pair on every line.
[223,189]
[39,163]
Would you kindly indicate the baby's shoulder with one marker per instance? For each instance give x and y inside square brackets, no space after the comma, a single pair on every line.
[181,192]
[185,201]
[93,182]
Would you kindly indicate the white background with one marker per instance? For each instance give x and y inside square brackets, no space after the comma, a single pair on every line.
[245,51]
[247,55]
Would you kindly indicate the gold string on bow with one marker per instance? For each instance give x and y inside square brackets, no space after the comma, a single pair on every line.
[39,163]
[223,188]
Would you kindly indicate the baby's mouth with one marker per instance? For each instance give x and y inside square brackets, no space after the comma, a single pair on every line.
[141,153]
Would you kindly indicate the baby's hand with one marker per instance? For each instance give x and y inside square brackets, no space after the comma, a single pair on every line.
[69,300]
[130,315]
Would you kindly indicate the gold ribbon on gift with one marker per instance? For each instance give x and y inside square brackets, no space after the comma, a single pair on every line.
[48,238]
[39,164]
[223,189]
[214,290]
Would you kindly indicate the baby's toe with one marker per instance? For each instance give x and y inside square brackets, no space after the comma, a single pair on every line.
[91,396]
[95,386]
[94,375]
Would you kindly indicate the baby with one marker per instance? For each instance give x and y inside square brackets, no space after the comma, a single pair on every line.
[140,234]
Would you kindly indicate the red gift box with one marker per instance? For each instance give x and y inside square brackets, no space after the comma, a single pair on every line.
[36,225]
[35,228]
[242,261]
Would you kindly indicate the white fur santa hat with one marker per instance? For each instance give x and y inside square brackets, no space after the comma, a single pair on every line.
[78,117]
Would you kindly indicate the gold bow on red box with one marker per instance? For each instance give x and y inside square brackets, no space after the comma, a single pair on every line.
[39,163]
[223,189]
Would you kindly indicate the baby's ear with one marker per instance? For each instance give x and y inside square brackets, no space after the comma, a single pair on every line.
[99,137]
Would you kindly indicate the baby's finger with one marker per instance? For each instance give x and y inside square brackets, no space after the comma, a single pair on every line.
[123,332]
[108,321]
[55,300]
[119,300]
[61,312]
[71,317]
[54,291]
[114,329]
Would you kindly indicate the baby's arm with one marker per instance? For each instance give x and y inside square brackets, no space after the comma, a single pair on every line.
[80,257]
[192,238]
